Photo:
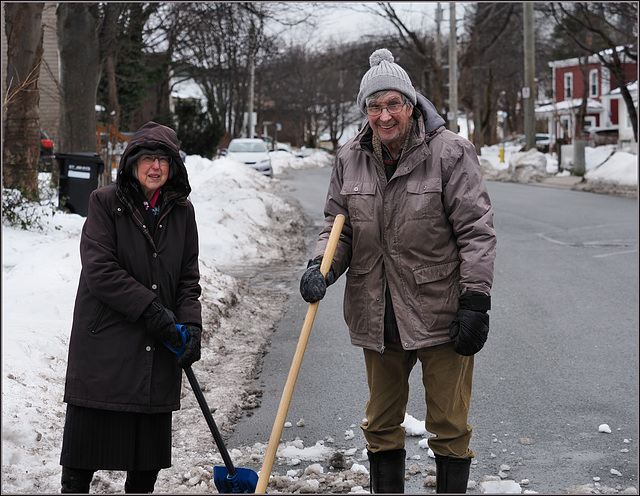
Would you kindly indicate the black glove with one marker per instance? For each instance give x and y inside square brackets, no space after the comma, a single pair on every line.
[470,328]
[312,285]
[191,353]
[161,324]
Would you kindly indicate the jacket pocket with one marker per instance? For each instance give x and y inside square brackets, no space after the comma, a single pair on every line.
[97,317]
[357,300]
[424,199]
[360,200]
[438,292]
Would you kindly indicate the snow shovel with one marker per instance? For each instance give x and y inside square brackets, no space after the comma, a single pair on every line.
[281,416]
[227,479]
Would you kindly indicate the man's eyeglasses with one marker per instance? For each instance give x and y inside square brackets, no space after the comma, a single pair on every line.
[150,159]
[394,108]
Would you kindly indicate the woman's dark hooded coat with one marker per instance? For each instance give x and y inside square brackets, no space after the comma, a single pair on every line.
[126,263]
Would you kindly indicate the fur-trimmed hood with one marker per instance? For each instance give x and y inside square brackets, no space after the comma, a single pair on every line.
[154,136]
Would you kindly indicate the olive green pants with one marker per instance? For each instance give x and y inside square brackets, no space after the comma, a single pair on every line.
[447,378]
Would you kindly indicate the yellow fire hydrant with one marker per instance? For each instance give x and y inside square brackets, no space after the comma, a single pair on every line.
[501,154]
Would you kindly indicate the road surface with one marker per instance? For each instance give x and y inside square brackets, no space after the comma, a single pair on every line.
[561,359]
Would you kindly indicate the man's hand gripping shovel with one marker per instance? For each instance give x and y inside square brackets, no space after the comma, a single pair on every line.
[227,479]
[274,440]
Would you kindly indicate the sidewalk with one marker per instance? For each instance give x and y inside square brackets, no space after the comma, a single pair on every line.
[576,183]
[562,181]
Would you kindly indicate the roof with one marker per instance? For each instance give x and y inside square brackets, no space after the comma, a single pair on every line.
[593,105]
[593,58]
[631,87]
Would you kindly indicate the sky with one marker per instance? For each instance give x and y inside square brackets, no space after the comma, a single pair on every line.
[241,220]
[348,21]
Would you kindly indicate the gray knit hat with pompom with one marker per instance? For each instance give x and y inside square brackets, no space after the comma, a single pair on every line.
[384,75]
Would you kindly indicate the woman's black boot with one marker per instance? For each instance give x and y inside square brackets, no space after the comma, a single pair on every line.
[140,481]
[76,480]
[387,471]
[452,474]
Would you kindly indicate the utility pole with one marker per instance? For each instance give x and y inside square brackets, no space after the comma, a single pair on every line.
[252,72]
[452,115]
[438,45]
[437,67]
[529,90]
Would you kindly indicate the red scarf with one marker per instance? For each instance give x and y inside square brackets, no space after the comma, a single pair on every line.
[154,198]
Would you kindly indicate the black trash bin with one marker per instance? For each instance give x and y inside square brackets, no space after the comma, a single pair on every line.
[79,175]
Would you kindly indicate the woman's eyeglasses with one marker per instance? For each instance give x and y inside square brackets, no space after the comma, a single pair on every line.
[150,159]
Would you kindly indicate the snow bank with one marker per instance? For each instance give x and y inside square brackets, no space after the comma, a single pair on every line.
[619,168]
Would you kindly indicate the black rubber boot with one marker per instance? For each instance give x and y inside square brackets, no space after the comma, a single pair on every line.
[452,474]
[387,471]
[140,481]
[76,480]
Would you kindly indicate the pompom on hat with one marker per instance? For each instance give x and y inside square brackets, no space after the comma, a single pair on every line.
[384,75]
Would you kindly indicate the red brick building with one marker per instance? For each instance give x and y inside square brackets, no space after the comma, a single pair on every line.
[576,79]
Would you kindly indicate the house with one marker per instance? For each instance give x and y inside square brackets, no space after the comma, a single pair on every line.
[576,79]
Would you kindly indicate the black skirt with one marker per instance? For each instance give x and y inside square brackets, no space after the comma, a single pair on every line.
[96,439]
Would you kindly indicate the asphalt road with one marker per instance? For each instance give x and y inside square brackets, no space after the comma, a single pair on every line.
[561,359]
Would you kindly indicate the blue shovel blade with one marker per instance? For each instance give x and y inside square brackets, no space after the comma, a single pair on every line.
[245,480]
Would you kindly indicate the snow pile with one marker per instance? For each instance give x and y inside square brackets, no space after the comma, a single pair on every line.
[526,167]
[608,170]
[317,159]
[619,168]
[241,207]
[413,426]
[494,485]
[282,160]
[295,452]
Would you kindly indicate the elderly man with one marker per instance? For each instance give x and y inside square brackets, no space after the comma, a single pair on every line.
[419,244]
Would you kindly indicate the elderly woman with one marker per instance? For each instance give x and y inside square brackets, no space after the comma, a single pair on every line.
[140,276]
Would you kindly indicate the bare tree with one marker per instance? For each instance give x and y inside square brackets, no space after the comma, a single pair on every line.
[491,67]
[422,47]
[210,44]
[339,84]
[21,150]
[292,83]
[215,43]
[79,50]
[109,34]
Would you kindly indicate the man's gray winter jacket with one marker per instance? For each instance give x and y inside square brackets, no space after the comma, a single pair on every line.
[427,232]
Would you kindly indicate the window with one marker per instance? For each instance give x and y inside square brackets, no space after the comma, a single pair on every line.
[593,83]
[589,121]
[568,85]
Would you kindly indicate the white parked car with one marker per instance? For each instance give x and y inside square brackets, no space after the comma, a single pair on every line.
[253,152]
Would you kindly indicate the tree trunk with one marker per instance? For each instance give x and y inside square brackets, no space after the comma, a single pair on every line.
[114,104]
[79,75]
[583,63]
[21,152]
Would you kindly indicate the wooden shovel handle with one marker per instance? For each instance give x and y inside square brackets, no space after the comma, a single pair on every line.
[281,416]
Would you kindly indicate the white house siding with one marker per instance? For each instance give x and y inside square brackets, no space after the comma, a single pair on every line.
[49,75]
